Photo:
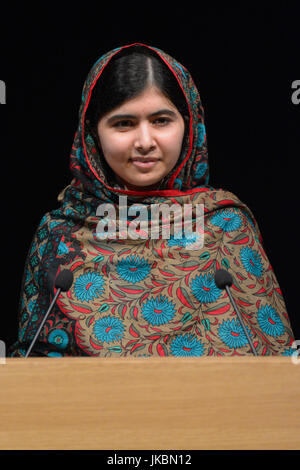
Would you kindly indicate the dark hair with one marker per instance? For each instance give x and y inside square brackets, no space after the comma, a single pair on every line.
[126,75]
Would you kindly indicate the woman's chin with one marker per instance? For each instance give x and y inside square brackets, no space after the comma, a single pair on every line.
[140,183]
[142,186]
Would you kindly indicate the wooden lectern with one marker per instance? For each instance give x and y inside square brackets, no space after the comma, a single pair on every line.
[150,403]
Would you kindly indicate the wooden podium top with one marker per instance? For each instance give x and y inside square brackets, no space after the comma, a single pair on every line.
[150,403]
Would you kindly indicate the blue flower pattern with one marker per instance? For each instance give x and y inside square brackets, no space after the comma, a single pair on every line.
[232,334]
[204,288]
[133,269]
[269,321]
[251,260]
[158,311]
[187,345]
[108,329]
[89,286]
[227,220]
[183,241]
[59,338]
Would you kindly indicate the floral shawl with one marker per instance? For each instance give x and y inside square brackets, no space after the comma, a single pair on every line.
[148,297]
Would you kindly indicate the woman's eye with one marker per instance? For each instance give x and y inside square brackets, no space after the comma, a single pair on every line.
[124,123]
[162,121]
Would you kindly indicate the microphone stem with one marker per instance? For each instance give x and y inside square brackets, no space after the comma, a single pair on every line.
[241,320]
[44,319]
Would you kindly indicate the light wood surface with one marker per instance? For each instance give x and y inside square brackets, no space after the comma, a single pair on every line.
[150,403]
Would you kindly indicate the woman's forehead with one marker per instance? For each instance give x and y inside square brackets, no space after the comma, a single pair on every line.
[150,101]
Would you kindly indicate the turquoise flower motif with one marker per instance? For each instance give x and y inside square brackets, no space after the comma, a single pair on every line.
[42,233]
[232,334]
[158,311]
[34,261]
[251,260]
[108,329]
[200,170]
[204,288]
[89,286]
[227,220]
[54,354]
[201,134]
[186,345]
[133,269]
[184,241]
[30,290]
[59,338]
[269,321]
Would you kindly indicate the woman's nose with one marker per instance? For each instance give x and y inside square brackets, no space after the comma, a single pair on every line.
[144,141]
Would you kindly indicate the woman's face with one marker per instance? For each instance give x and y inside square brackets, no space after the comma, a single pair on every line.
[141,139]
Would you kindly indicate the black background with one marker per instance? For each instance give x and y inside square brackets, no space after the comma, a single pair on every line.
[243,60]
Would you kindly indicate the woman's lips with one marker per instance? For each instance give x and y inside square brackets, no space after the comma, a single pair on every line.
[147,163]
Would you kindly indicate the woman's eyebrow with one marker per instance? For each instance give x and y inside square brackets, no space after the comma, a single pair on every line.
[163,111]
[115,117]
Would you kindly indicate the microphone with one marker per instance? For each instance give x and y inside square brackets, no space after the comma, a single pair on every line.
[63,283]
[223,280]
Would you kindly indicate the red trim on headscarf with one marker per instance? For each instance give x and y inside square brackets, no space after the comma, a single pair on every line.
[167,192]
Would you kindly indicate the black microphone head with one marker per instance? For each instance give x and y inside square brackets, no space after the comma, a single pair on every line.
[223,278]
[64,280]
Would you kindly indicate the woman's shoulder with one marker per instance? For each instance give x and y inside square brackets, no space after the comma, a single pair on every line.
[222,205]
[57,221]
[53,227]
[219,198]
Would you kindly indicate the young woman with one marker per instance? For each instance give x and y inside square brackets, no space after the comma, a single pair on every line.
[141,143]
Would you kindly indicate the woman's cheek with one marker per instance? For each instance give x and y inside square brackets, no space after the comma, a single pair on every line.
[171,145]
[120,146]
[115,149]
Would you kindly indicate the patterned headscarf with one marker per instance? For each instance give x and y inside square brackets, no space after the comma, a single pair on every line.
[191,170]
